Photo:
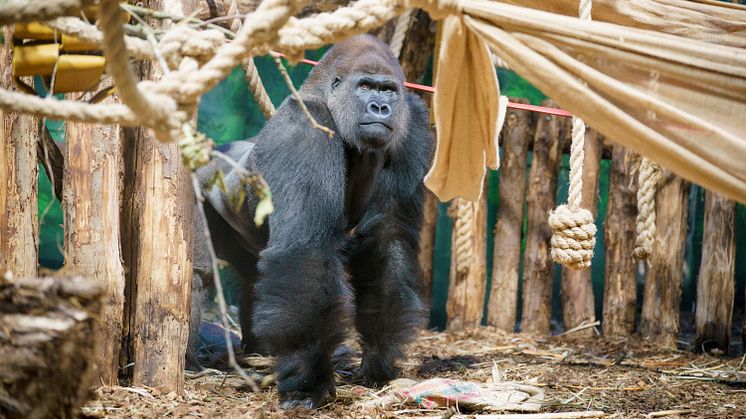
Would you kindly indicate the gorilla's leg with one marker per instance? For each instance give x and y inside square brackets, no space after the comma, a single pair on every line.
[301,302]
[388,285]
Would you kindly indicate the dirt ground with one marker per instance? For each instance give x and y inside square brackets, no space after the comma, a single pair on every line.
[620,378]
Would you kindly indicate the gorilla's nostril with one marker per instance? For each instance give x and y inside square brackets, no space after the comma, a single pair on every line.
[379,109]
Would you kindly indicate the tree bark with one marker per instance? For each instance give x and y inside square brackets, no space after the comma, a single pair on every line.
[157,229]
[503,303]
[46,348]
[90,204]
[427,241]
[19,226]
[662,293]
[716,284]
[538,268]
[620,290]
[578,304]
[467,287]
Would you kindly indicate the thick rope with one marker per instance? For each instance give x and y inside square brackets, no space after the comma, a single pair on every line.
[137,48]
[464,238]
[573,227]
[19,11]
[257,89]
[648,175]
[400,32]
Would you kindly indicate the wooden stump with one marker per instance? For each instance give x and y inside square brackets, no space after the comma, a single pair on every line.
[620,290]
[578,304]
[468,275]
[92,228]
[19,226]
[427,241]
[716,283]
[46,345]
[659,322]
[503,304]
[538,268]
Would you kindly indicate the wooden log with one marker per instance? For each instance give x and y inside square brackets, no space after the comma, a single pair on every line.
[90,204]
[47,352]
[427,241]
[19,226]
[468,274]
[716,285]
[620,290]
[503,303]
[659,322]
[578,304]
[157,230]
[538,269]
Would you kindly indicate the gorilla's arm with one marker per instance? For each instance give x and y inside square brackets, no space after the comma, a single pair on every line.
[300,296]
[385,270]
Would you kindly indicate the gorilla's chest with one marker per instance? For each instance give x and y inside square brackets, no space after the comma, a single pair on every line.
[363,170]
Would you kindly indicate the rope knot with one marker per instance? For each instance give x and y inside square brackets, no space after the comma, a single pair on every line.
[437,9]
[183,41]
[573,236]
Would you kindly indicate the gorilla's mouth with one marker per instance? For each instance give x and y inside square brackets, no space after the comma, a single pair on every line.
[376,124]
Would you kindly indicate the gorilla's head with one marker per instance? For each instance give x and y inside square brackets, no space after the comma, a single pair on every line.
[362,84]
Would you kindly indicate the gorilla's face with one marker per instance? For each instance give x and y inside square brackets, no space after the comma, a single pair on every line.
[363,86]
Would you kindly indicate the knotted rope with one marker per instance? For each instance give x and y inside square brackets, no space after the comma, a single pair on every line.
[18,11]
[573,227]
[648,175]
[462,211]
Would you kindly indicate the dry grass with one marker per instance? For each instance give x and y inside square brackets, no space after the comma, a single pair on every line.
[621,378]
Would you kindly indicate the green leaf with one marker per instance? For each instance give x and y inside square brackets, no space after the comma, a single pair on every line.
[235,200]
[218,179]
[263,209]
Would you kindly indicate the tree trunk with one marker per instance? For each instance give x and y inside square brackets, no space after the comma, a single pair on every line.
[660,307]
[578,304]
[91,206]
[509,227]
[427,241]
[620,290]
[46,348]
[538,268]
[716,284]
[468,275]
[19,226]
[157,229]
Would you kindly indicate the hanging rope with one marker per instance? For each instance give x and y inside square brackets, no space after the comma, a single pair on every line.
[462,211]
[573,227]
[400,32]
[648,175]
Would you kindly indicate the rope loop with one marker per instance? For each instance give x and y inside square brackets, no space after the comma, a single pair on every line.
[573,236]
[649,174]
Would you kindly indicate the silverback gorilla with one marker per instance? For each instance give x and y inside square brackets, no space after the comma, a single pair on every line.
[343,239]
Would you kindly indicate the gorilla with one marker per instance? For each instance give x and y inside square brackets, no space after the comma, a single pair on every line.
[341,245]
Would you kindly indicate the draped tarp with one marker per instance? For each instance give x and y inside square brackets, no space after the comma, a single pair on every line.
[677,100]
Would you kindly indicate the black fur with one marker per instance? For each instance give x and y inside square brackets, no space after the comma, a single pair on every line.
[342,243]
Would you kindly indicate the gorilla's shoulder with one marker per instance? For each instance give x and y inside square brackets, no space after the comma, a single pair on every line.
[418,146]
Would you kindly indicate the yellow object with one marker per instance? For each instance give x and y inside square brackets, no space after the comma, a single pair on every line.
[33,60]
[74,44]
[33,30]
[78,73]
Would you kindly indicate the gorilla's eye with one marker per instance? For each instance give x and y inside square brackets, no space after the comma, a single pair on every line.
[336,82]
[364,86]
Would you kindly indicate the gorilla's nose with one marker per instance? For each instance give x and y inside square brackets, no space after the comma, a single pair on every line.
[381,110]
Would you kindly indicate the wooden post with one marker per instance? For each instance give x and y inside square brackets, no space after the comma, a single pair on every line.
[578,304]
[503,305]
[659,322]
[468,275]
[538,268]
[19,226]
[157,230]
[716,284]
[90,203]
[620,290]
[427,241]
[45,345]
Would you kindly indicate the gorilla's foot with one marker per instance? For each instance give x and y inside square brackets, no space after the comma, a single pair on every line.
[377,368]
